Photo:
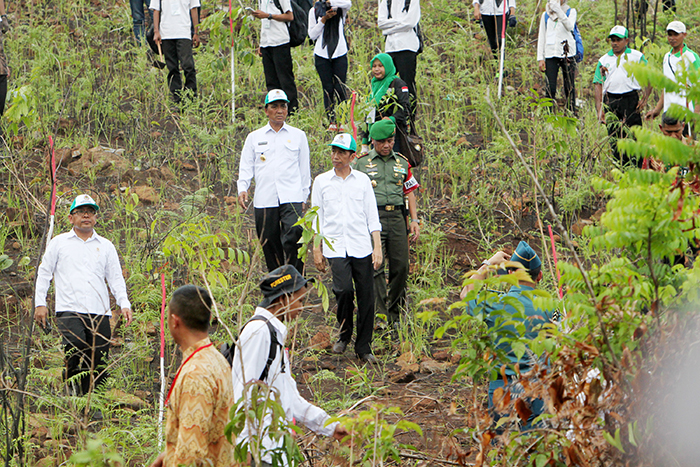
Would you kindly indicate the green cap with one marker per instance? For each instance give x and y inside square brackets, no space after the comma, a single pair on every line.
[83,200]
[382,129]
[344,141]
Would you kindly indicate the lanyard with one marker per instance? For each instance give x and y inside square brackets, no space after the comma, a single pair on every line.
[180,369]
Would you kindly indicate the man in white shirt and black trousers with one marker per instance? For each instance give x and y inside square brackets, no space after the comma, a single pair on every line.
[79,262]
[277,156]
[175,26]
[275,47]
[349,219]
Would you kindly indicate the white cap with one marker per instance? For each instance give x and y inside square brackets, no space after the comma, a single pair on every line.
[619,31]
[83,200]
[344,141]
[676,26]
[276,95]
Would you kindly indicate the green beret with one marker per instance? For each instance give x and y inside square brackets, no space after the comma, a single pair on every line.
[382,129]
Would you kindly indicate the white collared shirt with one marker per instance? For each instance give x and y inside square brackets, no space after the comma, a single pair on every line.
[553,32]
[347,213]
[489,7]
[399,29]
[175,18]
[252,351]
[616,79]
[279,162]
[79,269]
[272,32]
[316,28]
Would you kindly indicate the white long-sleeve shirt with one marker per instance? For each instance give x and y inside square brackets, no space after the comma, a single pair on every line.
[273,32]
[279,162]
[347,213]
[79,270]
[252,351]
[553,32]
[489,7]
[316,27]
[399,29]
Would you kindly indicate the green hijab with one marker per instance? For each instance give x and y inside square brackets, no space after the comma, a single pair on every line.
[381,86]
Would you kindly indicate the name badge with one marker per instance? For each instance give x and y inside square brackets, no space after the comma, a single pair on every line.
[262,143]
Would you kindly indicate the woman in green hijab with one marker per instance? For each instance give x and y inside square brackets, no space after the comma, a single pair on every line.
[389,97]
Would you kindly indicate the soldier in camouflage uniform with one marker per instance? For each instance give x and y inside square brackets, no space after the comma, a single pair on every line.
[394,184]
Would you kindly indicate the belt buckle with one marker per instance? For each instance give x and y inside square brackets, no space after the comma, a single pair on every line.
[389,207]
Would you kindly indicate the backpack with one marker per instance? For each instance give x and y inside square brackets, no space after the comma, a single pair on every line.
[299,26]
[577,38]
[229,350]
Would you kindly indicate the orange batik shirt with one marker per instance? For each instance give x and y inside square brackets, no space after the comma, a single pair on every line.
[198,411]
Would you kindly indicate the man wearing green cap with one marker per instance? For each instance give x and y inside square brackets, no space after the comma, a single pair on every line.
[348,220]
[79,262]
[394,186]
[619,91]
[531,318]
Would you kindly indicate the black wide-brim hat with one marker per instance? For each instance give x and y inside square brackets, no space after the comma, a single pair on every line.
[282,281]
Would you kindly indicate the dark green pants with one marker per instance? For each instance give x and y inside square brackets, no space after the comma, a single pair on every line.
[395,246]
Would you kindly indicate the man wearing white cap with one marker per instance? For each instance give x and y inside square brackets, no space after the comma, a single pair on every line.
[619,91]
[277,156]
[678,60]
[348,218]
[79,261]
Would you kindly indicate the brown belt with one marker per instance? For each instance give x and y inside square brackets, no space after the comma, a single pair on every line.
[389,207]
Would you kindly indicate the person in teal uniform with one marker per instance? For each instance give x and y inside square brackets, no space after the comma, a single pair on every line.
[533,319]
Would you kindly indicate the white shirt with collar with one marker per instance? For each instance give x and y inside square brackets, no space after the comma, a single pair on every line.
[316,28]
[175,17]
[252,351]
[616,79]
[272,32]
[279,162]
[553,32]
[674,65]
[489,7]
[79,269]
[347,213]
[399,29]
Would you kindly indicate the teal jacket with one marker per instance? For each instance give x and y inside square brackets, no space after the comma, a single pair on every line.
[534,318]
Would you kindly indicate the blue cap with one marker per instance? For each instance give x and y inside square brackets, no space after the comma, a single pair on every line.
[526,256]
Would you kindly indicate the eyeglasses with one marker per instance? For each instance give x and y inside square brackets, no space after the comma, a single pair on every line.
[82,212]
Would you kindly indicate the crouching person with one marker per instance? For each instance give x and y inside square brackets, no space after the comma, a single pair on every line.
[261,357]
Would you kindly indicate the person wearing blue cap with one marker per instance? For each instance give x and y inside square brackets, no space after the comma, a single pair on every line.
[277,157]
[79,262]
[348,219]
[532,264]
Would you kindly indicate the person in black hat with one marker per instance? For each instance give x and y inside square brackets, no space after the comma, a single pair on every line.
[283,291]
[492,309]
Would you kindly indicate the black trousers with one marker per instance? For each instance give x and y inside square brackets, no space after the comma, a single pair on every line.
[279,236]
[405,63]
[279,72]
[86,344]
[358,270]
[178,53]
[568,71]
[493,25]
[624,107]
[333,74]
[3,93]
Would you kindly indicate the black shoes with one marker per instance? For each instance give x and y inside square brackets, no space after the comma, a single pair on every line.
[368,358]
[340,346]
